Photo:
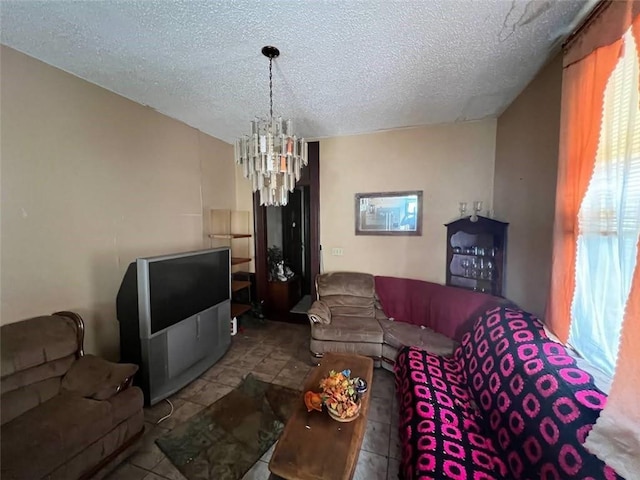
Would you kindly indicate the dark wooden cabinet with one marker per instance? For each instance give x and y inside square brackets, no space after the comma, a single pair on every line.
[283,295]
[477,254]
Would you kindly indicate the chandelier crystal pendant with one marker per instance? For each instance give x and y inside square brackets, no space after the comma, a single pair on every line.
[272,156]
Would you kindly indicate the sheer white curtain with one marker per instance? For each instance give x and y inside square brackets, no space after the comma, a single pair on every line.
[609,221]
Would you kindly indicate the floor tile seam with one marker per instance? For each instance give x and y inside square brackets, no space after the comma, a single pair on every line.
[163,476]
[230,385]
[382,396]
[201,404]
[184,396]
[143,468]
[363,449]
[146,469]
[390,440]
[216,384]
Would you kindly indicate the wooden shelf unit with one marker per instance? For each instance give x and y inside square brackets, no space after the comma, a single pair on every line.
[232,228]
[230,235]
[239,308]
[240,260]
[237,285]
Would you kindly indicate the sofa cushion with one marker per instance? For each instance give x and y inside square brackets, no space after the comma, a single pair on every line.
[440,431]
[389,354]
[348,329]
[36,341]
[350,310]
[95,377]
[346,283]
[366,349]
[127,403]
[57,430]
[350,306]
[104,447]
[54,368]
[532,395]
[400,334]
[21,400]
[337,301]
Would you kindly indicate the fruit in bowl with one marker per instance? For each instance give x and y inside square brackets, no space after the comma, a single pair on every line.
[344,414]
[313,401]
[340,396]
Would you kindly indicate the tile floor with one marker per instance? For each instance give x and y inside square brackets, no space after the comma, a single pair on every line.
[278,353]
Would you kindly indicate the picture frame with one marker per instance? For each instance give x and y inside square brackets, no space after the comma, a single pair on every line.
[389,213]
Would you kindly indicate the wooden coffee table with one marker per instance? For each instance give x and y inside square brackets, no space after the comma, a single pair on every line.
[312,445]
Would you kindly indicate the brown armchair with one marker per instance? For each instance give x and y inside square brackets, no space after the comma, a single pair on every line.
[64,414]
[343,319]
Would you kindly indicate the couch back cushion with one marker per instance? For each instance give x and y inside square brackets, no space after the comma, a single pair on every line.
[36,354]
[346,283]
[533,398]
[347,294]
[35,341]
[442,308]
[15,403]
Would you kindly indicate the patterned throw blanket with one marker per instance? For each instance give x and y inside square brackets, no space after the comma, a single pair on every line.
[509,404]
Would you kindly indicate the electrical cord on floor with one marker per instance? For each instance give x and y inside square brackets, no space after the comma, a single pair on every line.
[169,414]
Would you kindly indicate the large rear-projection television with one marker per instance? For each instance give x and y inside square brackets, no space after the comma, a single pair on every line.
[174,313]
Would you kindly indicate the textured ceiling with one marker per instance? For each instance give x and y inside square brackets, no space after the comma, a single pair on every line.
[346,66]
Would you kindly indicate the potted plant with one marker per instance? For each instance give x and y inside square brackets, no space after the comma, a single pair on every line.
[274,257]
[278,271]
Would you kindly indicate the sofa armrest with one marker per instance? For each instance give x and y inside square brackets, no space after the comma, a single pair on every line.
[94,377]
[319,313]
[379,311]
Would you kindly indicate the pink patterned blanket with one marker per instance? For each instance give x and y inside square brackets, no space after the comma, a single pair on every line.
[510,404]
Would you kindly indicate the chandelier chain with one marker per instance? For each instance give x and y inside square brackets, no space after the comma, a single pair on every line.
[270,89]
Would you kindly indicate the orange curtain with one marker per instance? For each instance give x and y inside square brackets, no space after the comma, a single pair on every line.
[583,85]
[589,62]
[615,438]
[625,390]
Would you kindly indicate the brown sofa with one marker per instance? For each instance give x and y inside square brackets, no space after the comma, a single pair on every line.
[348,318]
[376,316]
[64,415]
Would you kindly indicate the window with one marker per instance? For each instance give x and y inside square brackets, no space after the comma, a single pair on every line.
[609,220]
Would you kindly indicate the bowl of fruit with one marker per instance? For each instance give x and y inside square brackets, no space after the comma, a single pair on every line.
[340,396]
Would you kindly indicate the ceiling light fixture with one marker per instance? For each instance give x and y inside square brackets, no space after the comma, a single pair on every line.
[272,157]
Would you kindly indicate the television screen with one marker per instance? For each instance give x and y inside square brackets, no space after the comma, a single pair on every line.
[181,287]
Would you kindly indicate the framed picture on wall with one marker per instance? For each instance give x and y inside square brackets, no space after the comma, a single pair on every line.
[389,213]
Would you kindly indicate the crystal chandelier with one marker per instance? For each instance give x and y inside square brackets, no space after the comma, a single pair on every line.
[271,156]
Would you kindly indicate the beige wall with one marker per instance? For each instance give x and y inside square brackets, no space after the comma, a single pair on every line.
[450,163]
[90,181]
[525,185]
